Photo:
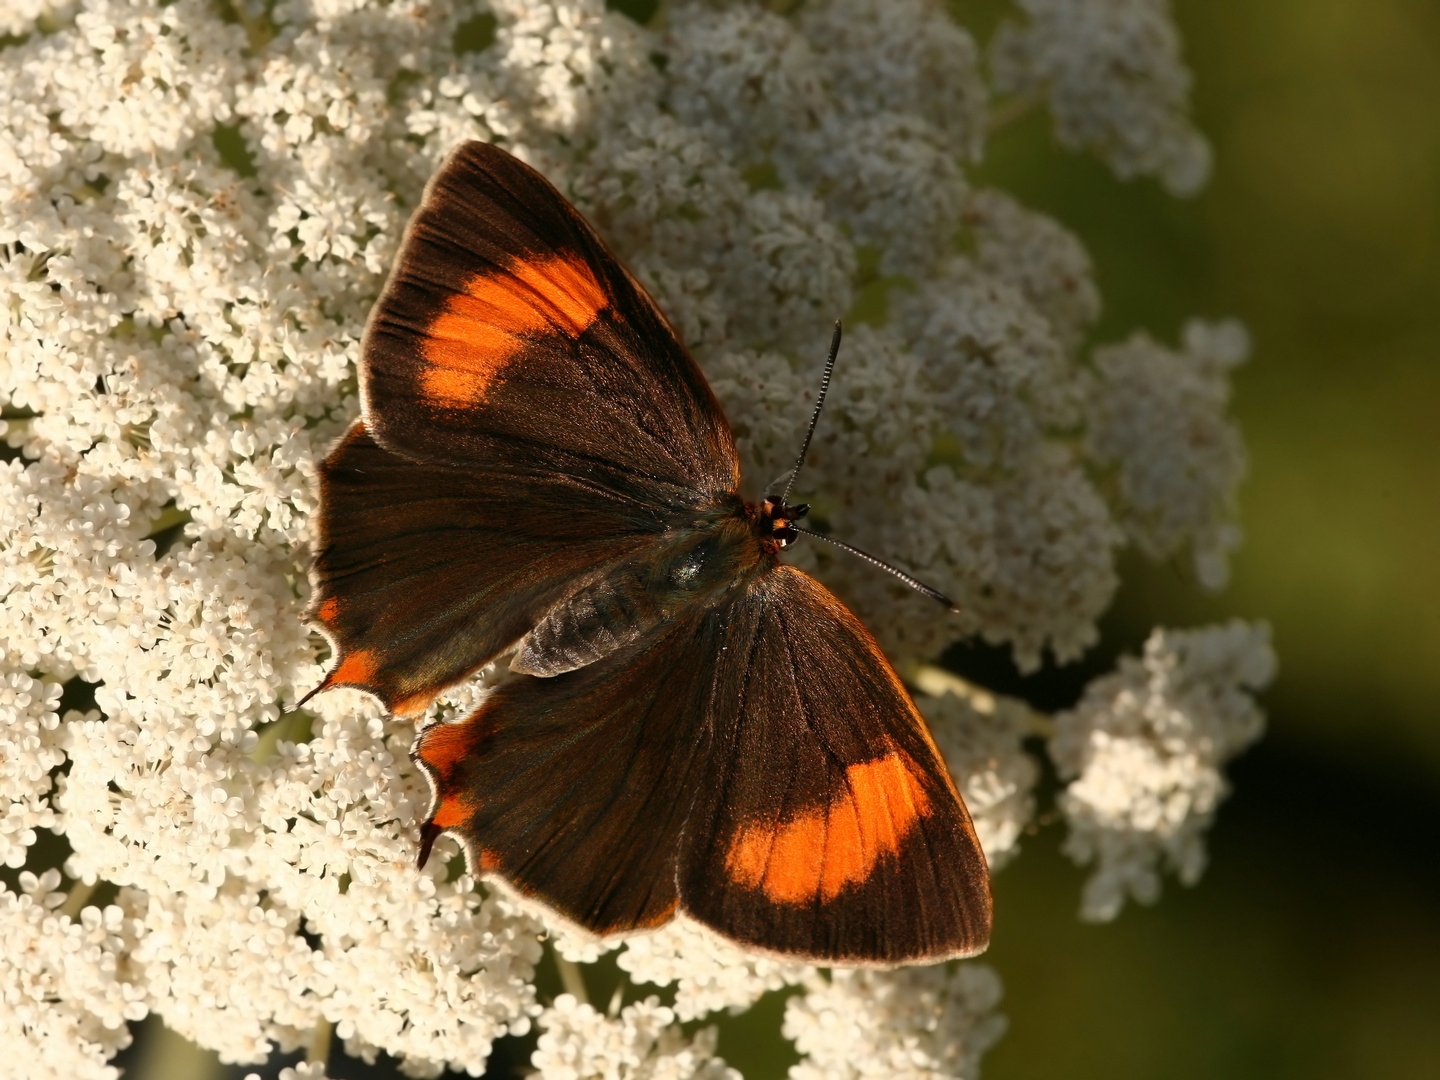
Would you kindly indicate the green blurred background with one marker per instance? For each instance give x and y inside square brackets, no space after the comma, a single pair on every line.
[1311,948]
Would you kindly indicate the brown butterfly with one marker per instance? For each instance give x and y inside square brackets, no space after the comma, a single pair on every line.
[691,725]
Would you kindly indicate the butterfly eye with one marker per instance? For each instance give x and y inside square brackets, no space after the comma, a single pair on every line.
[797,512]
[785,534]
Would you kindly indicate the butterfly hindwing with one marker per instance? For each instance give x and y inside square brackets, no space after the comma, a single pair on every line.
[508,332]
[826,823]
[575,788]
[757,762]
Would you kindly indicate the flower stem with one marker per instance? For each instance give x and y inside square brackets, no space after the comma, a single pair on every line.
[1011,111]
[76,897]
[319,1049]
[572,979]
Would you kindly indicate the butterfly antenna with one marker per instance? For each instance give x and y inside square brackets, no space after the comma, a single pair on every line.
[815,416]
[914,583]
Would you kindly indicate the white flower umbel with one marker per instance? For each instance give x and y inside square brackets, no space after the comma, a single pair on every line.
[68,986]
[1112,72]
[1159,415]
[198,205]
[306,1070]
[980,734]
[913,1024]
[29,752]
[642,1043]
[1143,752]
[708,972]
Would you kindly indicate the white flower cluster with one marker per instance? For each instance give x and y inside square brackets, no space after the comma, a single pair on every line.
[198,204]
[642,1043]
[1159,416]
[1143,752]
[980,735]
[30,739]
[67,991]
[913,1024]
[306,1070]
[1112,73]
[708,972]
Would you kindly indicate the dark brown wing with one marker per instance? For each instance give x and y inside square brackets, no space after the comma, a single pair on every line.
[575,788]
[528,417]
[425,572]
[826,823]
[508,332]
[757,763]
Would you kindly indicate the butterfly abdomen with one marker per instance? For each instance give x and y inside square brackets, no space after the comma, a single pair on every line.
[695,566]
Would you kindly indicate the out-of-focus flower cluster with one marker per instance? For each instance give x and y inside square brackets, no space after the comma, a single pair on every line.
[306,1070]
[1111,73]
[642,1042]
[914,1024]
[198,205]
[1143,752]
[1158,419]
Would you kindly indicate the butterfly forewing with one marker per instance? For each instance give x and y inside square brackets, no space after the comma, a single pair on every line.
[529,418]
[425,572]
[508,332]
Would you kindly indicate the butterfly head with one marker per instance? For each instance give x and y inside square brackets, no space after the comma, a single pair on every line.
[777,521]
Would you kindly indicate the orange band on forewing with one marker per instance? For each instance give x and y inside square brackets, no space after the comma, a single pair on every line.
[819,853]
[329,609]
[358,668]
[564,289]
[471,341]
[464,357]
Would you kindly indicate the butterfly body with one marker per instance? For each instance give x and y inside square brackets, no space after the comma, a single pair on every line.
[690,724]
[693,566]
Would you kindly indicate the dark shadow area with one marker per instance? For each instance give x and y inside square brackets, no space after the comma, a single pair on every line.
[1309,948]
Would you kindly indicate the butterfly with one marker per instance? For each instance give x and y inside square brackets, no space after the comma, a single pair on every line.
[689,724]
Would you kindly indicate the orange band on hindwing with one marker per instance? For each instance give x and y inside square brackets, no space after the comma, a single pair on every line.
[480,329]
[820,852]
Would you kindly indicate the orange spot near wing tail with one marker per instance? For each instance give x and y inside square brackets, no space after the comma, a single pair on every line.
[442,745]
[468,345]
[357,669]
[414,705]
[440,748]
[452,812]
[820,852]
